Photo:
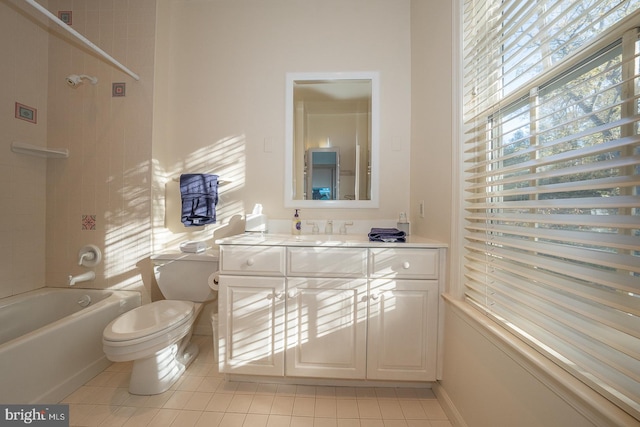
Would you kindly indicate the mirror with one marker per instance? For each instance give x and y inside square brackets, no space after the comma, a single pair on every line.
[331,140]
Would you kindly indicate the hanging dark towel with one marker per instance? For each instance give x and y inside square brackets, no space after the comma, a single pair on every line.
[199,199]
[389,235]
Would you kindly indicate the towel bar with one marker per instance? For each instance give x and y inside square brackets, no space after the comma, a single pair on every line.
[221,182]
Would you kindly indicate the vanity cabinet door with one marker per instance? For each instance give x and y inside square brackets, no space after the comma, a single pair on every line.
[251,325]
[326,328]
[403,326]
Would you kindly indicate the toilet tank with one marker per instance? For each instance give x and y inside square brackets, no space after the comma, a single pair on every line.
[184,276]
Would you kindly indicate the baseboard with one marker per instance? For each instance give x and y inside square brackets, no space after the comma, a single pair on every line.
[454,416]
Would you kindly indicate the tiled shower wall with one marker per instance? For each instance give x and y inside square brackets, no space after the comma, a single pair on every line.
[101,194]
[23,79]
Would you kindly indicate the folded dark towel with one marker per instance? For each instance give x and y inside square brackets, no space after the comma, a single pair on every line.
[199,198]
[391,235]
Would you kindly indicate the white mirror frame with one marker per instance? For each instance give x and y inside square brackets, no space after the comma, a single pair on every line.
[289,182]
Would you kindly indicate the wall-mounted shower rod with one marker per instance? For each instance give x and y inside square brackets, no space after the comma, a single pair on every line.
[82,38]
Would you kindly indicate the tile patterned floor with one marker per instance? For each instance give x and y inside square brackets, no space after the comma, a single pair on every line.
[202,397]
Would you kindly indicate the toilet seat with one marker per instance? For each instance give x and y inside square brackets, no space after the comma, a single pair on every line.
[144,330]
[148,320]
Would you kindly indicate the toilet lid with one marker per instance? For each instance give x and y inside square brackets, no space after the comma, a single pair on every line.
[148,319]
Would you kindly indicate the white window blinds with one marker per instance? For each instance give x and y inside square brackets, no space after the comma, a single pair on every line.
[552,179]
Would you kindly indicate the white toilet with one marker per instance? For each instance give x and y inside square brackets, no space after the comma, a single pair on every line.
[157,336]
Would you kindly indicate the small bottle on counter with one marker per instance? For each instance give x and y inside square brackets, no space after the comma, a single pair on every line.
[403,223]
[296,224]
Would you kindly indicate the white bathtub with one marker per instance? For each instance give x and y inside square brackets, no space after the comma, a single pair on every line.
[50,344]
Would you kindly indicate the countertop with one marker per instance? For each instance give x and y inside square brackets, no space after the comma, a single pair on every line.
[327,240]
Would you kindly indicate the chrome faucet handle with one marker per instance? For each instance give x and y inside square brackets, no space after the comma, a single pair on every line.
[315,229]
[343,227]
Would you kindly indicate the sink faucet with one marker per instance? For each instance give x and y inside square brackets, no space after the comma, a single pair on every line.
[84,277]
[328,227]
[343,227]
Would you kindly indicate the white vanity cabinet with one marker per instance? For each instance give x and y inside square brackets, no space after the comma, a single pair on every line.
[326,312]
[251,325]
[403,314]
[326,328]
[354,309]
[251,310]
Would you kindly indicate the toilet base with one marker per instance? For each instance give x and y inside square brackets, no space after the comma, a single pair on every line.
[157,373]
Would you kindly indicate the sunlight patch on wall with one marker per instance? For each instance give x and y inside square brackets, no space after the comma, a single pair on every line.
[128,229]
[225,158]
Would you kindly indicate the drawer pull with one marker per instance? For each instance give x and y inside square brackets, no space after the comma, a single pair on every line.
[276,295]
[406,265]
[375,296]
[292,294]
[250,262]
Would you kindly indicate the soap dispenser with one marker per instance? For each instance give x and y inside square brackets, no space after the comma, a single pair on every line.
[296,224]
[403,223]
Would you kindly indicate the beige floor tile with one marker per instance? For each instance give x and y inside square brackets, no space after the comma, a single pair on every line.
[209,384]
[433,410]
[413,410]
[279,420]
[261,404]
[198,401]
[256,420]
[282,405]
[440,423]
[189,383]
[368,408]
[164,417]
[390,409]
[348,422]
[158,400]
[141,417]
[186,419]
[325,422]
[232,420]
[240,403]
[394,423]
[219,402]
[301,422]
[347,408]
[210,419]
[326,408]
[178,399]
[304,406]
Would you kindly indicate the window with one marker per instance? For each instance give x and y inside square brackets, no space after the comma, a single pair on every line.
[552,179]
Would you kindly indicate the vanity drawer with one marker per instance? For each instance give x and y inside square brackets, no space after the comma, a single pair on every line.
[326,262]
[404,263]
[258,260]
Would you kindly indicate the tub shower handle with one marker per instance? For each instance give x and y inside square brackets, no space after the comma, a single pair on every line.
[86,256]
[89,256]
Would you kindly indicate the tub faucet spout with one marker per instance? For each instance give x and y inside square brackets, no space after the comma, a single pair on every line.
[84,277]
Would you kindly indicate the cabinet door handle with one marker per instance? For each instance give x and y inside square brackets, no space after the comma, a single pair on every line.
[250,262]
[277,295]
[375,296]
[292,294]
[406,265]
